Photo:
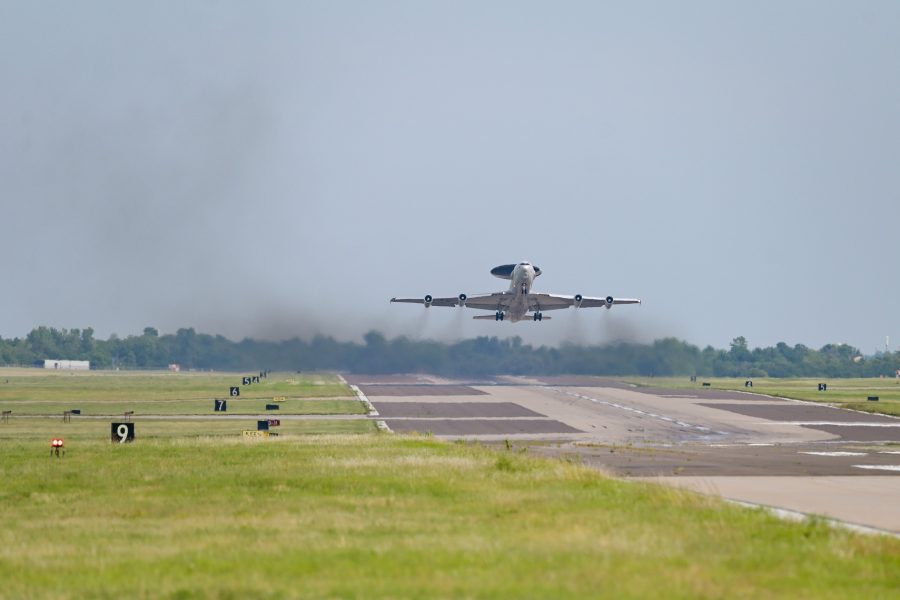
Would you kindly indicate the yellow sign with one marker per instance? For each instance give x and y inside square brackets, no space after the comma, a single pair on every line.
[279,398]
[249,433]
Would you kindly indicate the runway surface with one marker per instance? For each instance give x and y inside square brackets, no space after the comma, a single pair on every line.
[794,455]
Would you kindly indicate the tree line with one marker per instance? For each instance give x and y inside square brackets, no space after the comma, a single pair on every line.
[478,357]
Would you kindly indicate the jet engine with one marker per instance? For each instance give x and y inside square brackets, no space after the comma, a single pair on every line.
[428,300]
[578,299]
[609,302]
[462,299]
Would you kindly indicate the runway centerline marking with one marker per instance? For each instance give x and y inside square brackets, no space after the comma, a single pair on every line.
[632,410]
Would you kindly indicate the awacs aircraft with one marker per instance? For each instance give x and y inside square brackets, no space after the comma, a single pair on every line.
[516,302]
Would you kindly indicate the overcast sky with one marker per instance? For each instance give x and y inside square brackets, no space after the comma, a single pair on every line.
[273,169]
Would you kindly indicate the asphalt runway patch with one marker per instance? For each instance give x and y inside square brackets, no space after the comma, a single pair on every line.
[479,426]
[802,412]
[860,433]
[453,410]
[420,390]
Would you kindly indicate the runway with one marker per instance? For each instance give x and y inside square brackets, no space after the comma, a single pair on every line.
[794,455]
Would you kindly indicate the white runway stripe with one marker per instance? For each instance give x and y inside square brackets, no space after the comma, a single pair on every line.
[879,467]
[837,453]
[835,423]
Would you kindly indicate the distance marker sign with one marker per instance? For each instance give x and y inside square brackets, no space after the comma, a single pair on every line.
[122,433]
[234,391]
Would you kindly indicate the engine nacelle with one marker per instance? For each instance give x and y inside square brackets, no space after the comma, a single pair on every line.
[428,300]
[462,299]
[578,299]
[609,302]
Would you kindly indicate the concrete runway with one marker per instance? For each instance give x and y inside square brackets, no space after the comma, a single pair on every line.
[798,456]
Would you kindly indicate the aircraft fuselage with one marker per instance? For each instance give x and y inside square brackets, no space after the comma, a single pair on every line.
[520,285]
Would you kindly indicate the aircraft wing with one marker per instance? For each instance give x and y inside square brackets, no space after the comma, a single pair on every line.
[541,302]
[495,301]
[454,301]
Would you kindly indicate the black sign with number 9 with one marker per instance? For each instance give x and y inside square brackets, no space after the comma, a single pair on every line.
[122,432]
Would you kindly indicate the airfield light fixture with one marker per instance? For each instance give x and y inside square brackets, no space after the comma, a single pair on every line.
[56,444]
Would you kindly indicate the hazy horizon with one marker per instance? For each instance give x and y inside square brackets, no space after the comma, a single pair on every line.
[284,169]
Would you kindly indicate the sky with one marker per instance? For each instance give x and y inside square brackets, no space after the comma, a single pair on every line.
[279,169]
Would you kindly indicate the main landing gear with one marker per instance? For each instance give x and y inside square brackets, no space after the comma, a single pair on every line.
[538,316]
[499,315]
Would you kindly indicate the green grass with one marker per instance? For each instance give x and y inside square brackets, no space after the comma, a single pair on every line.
[393,516]
[39,392]
[78,431]
[240,406]
[191,509]
[847,393]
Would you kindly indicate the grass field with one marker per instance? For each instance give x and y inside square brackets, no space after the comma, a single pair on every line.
[85,430]
[191,509]
[39,392]
[393,516]
[847,393]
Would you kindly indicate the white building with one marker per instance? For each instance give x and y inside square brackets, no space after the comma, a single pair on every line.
[69,365]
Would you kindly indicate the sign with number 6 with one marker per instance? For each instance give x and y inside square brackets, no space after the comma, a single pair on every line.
[122,432]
